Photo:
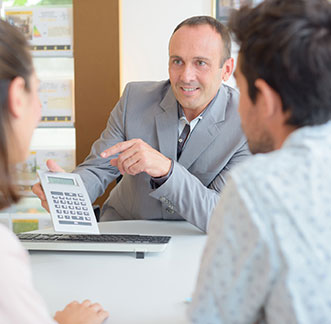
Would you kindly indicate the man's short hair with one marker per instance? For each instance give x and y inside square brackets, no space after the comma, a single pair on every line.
[287,43]
[217,26]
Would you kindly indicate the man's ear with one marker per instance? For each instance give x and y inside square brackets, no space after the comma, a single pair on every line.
[16,96]
[227,69]
[268,98]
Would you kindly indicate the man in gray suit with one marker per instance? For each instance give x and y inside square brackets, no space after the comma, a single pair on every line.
[173,141]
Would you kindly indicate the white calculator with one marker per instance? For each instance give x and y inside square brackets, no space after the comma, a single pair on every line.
[68,202]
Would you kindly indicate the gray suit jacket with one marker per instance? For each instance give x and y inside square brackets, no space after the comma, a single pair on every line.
[148,110]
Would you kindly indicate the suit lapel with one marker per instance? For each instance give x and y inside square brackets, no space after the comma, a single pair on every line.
[167,125]
[206,130]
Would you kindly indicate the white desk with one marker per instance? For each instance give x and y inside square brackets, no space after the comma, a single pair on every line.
[147,291]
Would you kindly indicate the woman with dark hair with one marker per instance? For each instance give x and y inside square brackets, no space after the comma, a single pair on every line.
[20,111]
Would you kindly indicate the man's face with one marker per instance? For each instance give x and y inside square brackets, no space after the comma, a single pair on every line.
[258,137]
[194,66]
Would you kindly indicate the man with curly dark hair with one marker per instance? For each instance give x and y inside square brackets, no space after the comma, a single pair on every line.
[268,257]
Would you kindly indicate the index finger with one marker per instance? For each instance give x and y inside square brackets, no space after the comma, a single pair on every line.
[117,148]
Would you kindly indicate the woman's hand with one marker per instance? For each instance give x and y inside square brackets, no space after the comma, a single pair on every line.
[84,313]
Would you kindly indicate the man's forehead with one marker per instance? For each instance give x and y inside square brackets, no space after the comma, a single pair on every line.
[194,42]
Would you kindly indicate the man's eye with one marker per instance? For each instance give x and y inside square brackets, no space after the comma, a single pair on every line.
[177,62]
[201,63]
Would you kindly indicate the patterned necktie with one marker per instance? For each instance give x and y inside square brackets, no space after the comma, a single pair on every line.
[182,139]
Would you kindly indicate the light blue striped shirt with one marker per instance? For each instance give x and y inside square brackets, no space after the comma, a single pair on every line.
[268,255]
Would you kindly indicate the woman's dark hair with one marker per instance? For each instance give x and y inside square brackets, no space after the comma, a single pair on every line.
[15,60]
[287,43]
[217,26]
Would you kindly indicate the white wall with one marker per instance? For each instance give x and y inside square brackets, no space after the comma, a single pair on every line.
[146,29]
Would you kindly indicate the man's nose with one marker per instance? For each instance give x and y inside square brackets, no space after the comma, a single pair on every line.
[188,74]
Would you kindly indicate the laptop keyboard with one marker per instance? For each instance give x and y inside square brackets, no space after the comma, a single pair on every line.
[88,238]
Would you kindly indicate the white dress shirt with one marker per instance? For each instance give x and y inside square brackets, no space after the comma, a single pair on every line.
[268,255]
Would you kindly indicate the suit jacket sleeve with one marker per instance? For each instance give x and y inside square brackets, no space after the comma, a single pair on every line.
[189,197]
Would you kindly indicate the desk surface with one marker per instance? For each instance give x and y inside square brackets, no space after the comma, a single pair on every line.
[147,291]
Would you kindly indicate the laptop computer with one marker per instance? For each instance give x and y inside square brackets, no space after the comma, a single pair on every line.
[139,244]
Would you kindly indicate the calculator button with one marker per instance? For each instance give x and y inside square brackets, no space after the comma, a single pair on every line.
[69,202]
[72,212]
[67,217]
[80,195]
[70,194]
[57,206]
[85,213]
[76,199]
[57,193]
[84,208]
[79,213]
[68,198]
[71,207]
[62,201]
[84,223]
[56,201]
[76,203]
[88,218]
[78,208]
[59,216]
[83,204]
[64,206]
[59,211]
[65,222]
[78,217]
[65,212]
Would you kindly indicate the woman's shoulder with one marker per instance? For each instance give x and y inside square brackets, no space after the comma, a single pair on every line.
[14,259]
[9,243]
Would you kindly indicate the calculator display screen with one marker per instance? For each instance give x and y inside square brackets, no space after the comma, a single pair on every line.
[58,180]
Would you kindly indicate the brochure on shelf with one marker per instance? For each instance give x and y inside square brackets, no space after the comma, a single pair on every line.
[22,222]
[27,215]
[56,97]
[26,174]
[27,171]
[48,29]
